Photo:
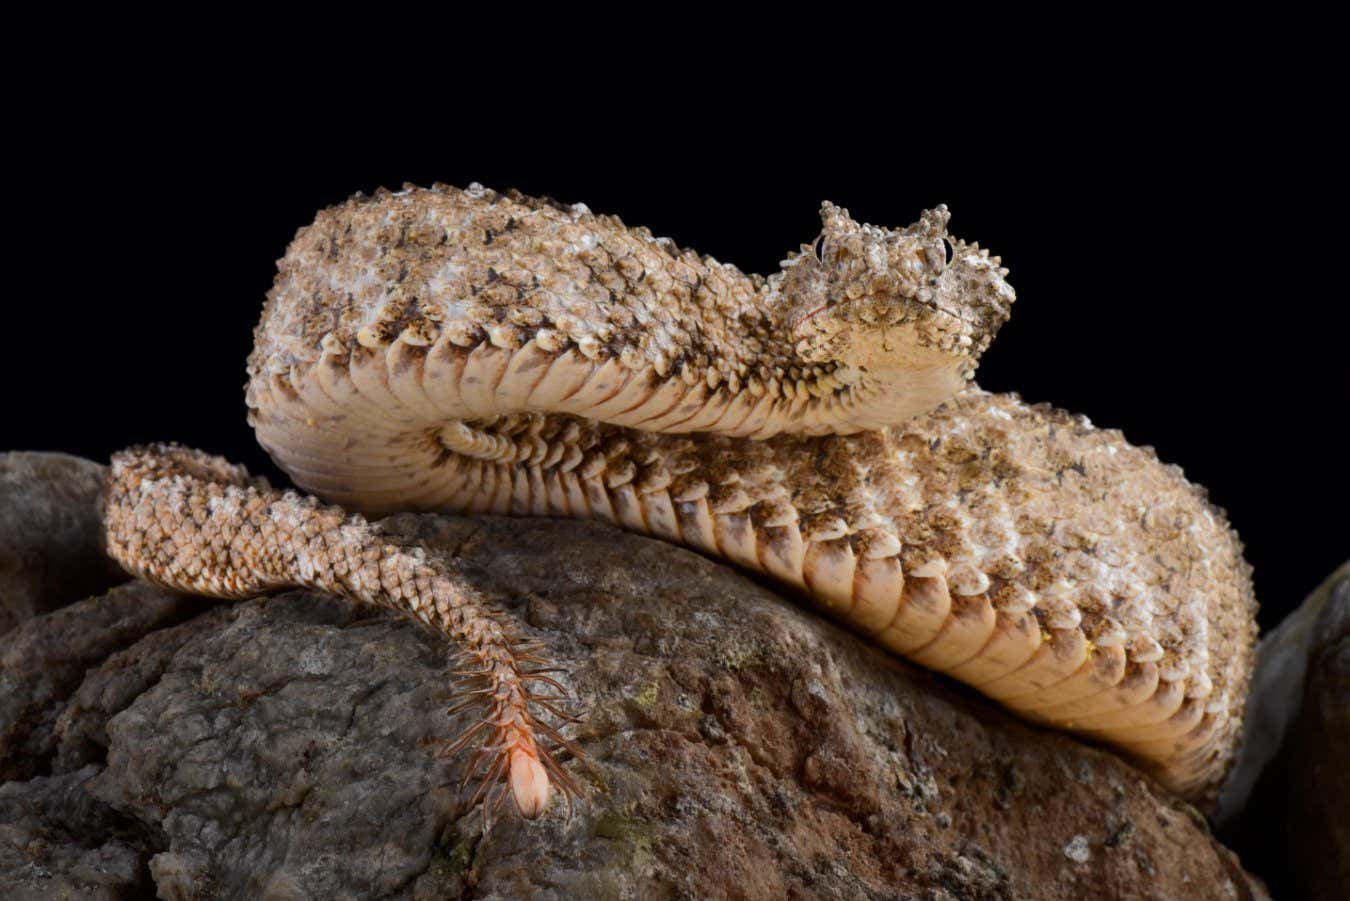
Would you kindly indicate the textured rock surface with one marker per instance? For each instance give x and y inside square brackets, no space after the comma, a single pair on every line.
[43,661]
[57,841]
[1276,697]
[1320,741]
[1307,788]
[284,747]
[51,536]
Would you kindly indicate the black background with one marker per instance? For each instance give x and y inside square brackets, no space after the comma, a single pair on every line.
[1171,234]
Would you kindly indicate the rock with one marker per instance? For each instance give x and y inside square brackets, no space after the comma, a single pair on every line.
[51,534]
[1275,697]
[1296,824]
[1319,818]
[57,842]
[44,660]
[284,747]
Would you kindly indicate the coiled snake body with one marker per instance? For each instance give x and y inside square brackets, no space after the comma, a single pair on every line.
[468,351]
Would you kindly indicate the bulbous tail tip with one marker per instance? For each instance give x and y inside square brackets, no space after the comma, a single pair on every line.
[530,784]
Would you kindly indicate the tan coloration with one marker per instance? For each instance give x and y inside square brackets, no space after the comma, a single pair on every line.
[194,522]
[468,351]
[475,304]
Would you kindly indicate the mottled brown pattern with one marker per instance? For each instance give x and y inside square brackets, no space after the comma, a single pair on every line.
[470,351]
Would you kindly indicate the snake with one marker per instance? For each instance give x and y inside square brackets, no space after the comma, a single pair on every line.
[477,352]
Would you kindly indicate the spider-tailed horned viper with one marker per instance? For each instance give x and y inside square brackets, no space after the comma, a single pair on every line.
[469,351]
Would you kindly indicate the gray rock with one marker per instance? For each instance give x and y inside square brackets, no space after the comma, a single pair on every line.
[1276,696]
[57,842]
[1295,824]
[51,534]
[1317,817]
[736,743]
[44,660]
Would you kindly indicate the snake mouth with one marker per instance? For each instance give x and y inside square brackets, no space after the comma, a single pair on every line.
[796,324]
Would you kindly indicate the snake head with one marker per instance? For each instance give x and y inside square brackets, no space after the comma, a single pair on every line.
[874,298]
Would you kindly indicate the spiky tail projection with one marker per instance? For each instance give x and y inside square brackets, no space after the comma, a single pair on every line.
[197,523]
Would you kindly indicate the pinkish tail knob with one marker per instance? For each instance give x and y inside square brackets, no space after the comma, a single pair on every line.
[529,783]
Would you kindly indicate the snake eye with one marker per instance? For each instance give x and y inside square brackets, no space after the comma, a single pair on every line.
[938,256]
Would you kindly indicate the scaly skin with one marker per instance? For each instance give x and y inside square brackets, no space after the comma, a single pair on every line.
[194,522]
[472,352]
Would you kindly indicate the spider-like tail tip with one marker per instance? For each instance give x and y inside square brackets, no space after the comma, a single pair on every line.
[530,785]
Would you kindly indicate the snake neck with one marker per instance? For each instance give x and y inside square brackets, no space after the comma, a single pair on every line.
[506,304]
[889,390]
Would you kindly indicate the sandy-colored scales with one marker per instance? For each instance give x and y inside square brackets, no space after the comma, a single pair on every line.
[1016,638]
[1121,722]
[968,628]
[925,604]
[828,570]
[1101,669]
[229,537]
[878,585]
[478,352]
[1086,692]
[1187,728]
[1062,653]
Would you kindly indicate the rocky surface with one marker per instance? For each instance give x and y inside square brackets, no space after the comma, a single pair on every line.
[51,534]
[1320,829]
[737,746]
[1306,790]
[58,841]
[45,662]
[1276,695]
